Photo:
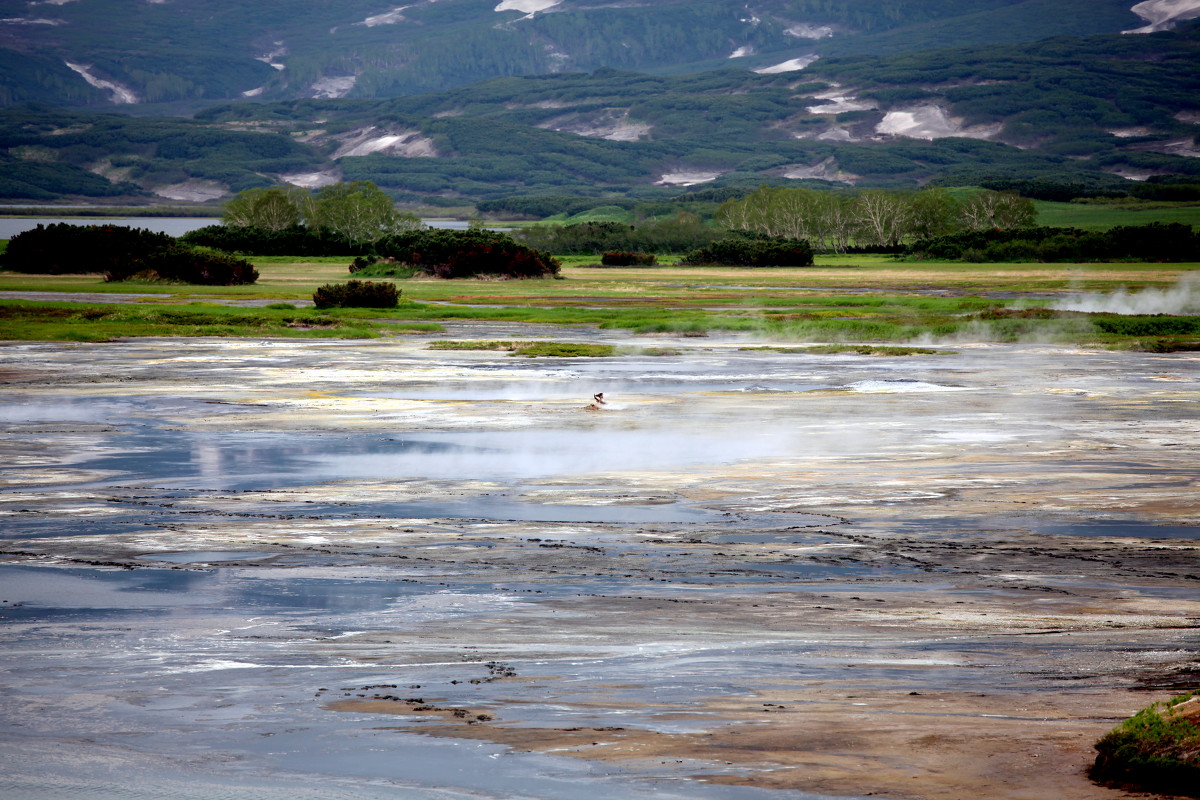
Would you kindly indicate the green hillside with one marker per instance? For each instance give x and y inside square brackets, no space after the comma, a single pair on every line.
[1085,112]
[187,53]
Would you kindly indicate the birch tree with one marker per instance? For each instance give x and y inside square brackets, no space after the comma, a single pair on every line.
[273,209]
[1002,210]
[882,216]
[358,213]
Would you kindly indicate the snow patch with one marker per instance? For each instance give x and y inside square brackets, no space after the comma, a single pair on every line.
[121,95]
[687,178]
[1130,174]
[29,21]
[1127,133]
[612,124]
[558,57]
[365,141]
[529,7]
[930,122]
[1188,117]
[193,190]
[331,87]
[387,18]
[51,2]
[253,92]
[742,52]
[791,65]
[808,30]
[1162,15]
[835,135]
[826,170]
[1179,147]
[838,102]
[276,52]
[312,180]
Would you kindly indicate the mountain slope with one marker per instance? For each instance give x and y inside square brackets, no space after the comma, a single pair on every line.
[1086,110]
[124,52]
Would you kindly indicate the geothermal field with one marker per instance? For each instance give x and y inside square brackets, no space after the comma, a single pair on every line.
[368,569]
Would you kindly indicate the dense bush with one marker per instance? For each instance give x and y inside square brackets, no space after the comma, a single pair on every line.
[357,294]
[373,266]
[1154,242]
[462,254]
[188,265]
[294,241]
[61,249]
[676,234]
[627,258]
[747,251]
[121,253]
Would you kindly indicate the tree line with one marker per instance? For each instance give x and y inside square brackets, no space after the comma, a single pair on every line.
[354,213]
[873,219]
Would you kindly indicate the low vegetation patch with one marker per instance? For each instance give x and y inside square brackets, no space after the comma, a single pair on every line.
[1155,750]
[532,349]
[859,349]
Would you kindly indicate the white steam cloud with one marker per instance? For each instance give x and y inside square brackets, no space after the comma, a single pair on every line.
[1182,298]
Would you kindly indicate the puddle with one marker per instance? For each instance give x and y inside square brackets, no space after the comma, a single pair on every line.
[1108,528]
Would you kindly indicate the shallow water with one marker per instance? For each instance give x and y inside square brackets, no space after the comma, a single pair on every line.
[209,545]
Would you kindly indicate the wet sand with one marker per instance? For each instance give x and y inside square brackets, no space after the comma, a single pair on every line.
[376,568]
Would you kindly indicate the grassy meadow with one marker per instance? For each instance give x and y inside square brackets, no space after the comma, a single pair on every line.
[1102,216]
[841,299]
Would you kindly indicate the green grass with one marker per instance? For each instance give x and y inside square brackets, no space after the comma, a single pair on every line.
[848,301]
[20,320]
[598,214]
[1097,217]
[1154,750]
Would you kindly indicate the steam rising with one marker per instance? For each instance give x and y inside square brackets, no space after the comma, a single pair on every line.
[1182,298]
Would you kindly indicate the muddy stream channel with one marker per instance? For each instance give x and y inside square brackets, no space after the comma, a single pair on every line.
[328,569]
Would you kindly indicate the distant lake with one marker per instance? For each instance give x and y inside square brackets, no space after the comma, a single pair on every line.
[175,226]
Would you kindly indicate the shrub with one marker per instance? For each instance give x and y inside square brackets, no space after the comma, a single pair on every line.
[748,251]
[121,253]
[357,294]
[61,248]
[188,265]
[464,254]
[1154,242]
[628,258]
[676,234]
[294,241]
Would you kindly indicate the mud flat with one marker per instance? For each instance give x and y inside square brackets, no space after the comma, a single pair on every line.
[367,569]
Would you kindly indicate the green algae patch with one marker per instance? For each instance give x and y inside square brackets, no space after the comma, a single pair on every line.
[532,349]
[1155,750]
[857,349]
